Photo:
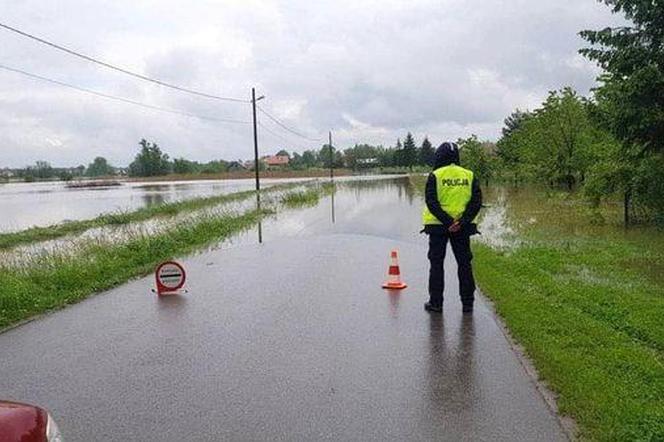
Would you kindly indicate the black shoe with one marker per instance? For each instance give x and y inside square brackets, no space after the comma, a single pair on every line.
[433,308]
[467,308]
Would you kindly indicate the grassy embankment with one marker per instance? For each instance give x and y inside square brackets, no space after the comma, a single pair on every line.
[53,281]
[35,234]
[587,304]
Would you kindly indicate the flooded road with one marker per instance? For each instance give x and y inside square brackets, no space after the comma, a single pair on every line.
[293,339]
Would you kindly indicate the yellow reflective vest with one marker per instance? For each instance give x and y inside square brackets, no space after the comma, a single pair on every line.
[455,188]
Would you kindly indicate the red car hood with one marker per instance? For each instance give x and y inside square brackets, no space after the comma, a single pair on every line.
[22,423]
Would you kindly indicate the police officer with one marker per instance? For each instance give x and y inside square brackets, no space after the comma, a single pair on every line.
[453,200]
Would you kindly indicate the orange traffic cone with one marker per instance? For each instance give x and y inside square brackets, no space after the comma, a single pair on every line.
[394,281]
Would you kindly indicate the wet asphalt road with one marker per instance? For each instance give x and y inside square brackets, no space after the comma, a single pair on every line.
[291,340]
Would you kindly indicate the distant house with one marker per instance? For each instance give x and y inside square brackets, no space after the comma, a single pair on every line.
[235,166]
[276,161]
[367,162]
[6,173]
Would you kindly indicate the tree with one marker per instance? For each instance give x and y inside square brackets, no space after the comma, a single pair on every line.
[182,166]
[283,153]
[40,170]
[554,143]
[65,175]
[150,161]
[324,156]
[515,121]
[99,167]
[386,157]
[475,156]
[398,159]
[427,153]
[630,100]
[216,166]
[309,158]
[633,60]
[558,143]
[409,151]
[361,155]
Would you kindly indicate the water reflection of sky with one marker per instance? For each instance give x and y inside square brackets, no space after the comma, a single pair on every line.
[24,205]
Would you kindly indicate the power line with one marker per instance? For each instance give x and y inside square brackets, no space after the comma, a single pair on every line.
[277,136]
[121,99]
[283,126]
[119,69]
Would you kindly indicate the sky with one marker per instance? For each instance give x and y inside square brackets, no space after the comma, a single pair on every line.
[368,70]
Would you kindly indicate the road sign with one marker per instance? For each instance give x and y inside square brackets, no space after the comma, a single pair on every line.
[170,277]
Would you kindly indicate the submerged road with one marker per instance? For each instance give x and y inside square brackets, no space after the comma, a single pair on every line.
[290,340]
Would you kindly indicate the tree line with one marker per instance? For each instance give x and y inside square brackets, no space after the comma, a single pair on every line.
[151,160]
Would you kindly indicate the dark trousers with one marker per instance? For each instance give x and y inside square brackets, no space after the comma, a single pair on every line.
[461,247]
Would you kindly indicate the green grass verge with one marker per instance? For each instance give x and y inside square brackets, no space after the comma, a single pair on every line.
[594,329]
[588,307]
[53,282]
[35,234]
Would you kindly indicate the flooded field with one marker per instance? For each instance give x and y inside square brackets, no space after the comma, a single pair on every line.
[25,205]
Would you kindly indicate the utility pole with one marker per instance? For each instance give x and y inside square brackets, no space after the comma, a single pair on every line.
[331,158]
[256,163]
[332,176]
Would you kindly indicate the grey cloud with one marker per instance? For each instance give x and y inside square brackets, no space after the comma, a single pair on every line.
[445,68]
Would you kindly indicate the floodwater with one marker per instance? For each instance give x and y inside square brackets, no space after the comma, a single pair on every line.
[355,195]
[359,205]
[24,205]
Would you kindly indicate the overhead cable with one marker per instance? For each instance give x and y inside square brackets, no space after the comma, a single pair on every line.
[119,69]
[283,126]
[278,136]
[121,99]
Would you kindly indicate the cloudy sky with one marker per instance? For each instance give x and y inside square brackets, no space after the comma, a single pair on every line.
[369,70]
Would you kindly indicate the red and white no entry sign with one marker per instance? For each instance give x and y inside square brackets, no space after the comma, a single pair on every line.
[170,277]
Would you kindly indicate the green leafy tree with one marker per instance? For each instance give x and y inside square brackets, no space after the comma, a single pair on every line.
[553,143]
[283,153]
[476,157]
[557,144]
[630,100]
[361,155]
[325,157]
[633,81]
[99,167]
[427,153]
[150,161]
[309,158]
[216,166]
[183,166]
[515,121]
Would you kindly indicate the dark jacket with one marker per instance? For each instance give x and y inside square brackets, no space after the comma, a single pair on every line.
[444,157]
